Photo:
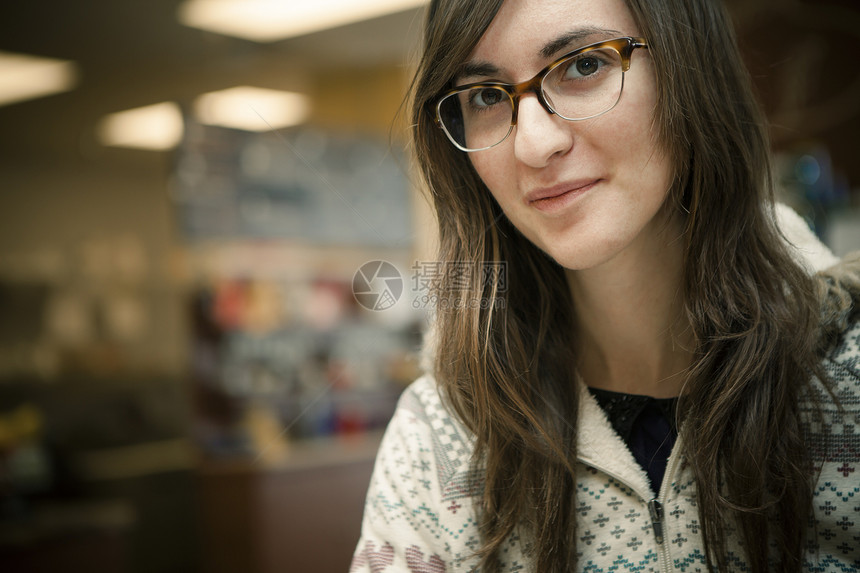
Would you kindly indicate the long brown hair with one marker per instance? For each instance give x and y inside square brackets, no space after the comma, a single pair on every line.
[507,370]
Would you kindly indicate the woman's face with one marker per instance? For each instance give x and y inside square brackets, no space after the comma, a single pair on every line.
[585,192]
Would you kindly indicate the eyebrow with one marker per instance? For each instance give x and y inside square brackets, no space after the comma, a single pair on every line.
[564,41]
[551,48]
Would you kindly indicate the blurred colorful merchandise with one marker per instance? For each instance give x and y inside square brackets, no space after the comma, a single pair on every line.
[295,356]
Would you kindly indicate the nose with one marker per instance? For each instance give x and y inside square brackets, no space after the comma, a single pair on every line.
[539,135]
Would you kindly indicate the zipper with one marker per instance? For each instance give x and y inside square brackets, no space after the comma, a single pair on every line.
[655,508]
[655,505]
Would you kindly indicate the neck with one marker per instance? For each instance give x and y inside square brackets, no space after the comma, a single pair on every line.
[631,329]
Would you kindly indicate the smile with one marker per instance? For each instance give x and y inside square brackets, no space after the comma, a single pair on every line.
[557,197]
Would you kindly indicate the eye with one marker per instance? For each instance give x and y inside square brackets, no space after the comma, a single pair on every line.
[486,97]
[583,66]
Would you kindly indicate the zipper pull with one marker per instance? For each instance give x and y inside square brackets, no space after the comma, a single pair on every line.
[655,508]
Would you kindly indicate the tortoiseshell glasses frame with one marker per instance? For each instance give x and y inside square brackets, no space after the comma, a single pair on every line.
[581,84]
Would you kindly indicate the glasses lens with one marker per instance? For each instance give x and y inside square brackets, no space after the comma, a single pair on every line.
[585,85]
[477,118]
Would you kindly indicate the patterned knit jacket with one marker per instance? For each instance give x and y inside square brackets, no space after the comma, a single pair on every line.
[420,515]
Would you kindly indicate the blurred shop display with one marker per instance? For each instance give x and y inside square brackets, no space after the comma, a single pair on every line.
[275,225]
[812,103]
[95,461]
[277,361]
[808,182]
[126,351]
[810,185]
[303,184]
[97,307]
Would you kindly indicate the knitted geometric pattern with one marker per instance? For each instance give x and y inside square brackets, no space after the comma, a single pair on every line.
[420,515]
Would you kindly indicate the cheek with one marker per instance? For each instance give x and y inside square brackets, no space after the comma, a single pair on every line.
[491,169]
[480,162]
[637,148]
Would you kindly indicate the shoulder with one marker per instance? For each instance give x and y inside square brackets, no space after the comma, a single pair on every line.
[838,340]
[422,407]
[424,427]
[837,401]
[843,360]
[830,407]
[804,246]
[831,420]
[839,296]
[422,399]
[420,503]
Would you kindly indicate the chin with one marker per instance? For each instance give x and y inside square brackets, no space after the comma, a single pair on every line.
[577,253]
[578,259]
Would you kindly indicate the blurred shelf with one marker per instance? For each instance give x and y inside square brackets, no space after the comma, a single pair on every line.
[300,455]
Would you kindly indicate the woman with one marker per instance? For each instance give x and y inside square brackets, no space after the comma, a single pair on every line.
[660,387]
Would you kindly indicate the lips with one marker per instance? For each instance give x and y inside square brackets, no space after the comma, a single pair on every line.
[557,196]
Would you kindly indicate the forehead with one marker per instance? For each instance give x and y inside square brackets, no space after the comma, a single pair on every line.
[523,28]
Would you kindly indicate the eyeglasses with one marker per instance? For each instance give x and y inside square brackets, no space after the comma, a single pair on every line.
[582,84]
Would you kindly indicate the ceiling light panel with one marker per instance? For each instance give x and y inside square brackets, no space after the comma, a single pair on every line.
[252,109]
[24,77]
[271,20]
[155,127]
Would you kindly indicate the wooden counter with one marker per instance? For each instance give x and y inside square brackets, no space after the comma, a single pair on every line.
[300,514]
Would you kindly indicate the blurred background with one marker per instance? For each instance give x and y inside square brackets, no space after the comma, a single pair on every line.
[213,254]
